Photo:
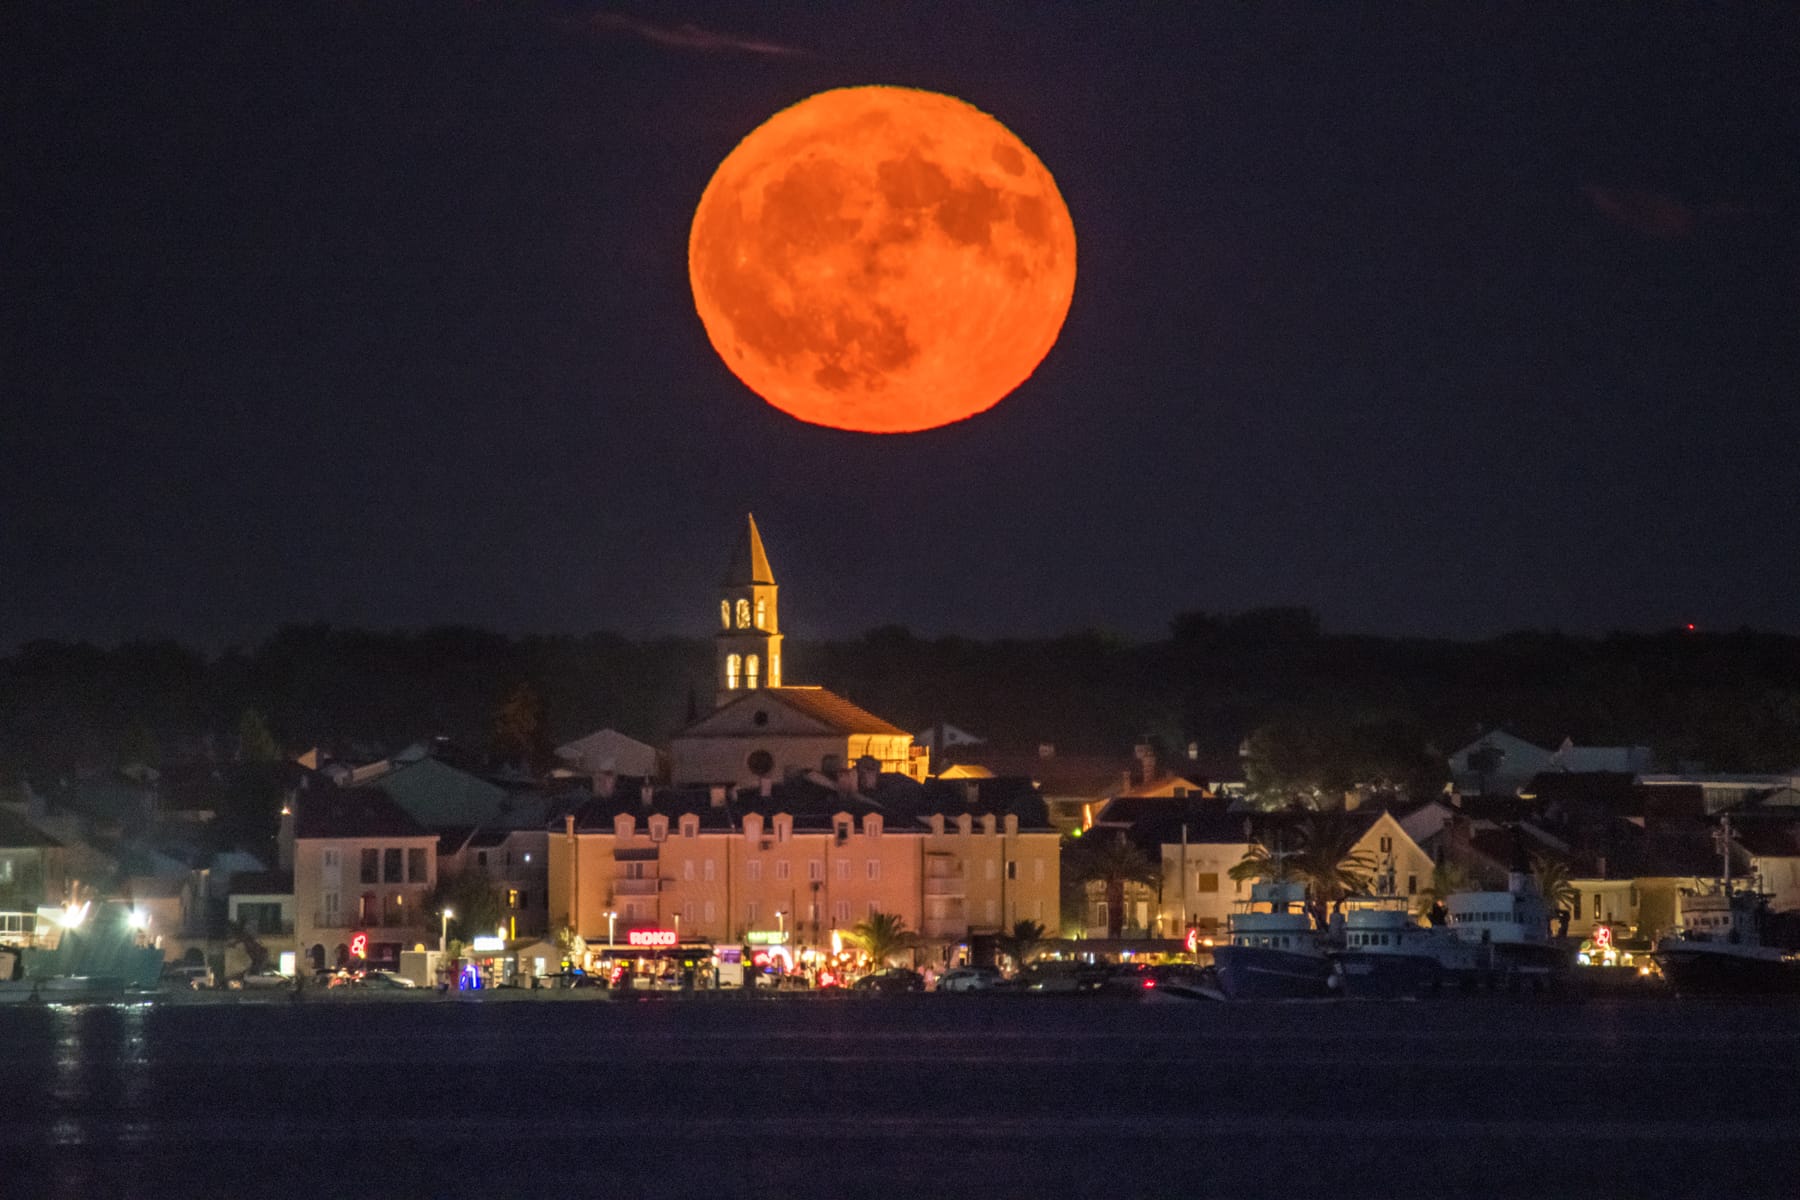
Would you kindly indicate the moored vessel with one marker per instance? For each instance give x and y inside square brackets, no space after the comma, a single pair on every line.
[1272,951]
[1387,954]
[1717,946]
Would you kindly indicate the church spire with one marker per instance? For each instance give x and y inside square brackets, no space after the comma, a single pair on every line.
[748,644]
[749,564]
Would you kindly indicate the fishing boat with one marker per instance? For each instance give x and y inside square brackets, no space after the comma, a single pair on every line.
[1717,946]
[1271,951]
[1387,954]
[1510,932]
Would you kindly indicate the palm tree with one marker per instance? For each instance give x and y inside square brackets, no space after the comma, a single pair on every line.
[1447,879]
[1557,889]
[1022,942]
[1113,862]
[1325,860]
[882,936]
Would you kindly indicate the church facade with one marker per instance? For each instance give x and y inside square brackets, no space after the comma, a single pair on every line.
[760,730]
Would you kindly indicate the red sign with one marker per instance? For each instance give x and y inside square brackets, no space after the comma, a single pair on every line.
[359,945]
[651,937]
[1193,940]
[1603,936]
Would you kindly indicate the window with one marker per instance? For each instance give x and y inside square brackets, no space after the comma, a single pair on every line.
[724,614]
[843,831]
[874,908]
[840,912]
[783,827]
[1012,869]
[1596,906]
[762,613]
[734,666]
[781,869]
[415,865]
[1387,845]
[393,910]
[1412,885]
[1206,881]
[815,870]
[481,859]
[743,614]
[1099,911]
[753,871]
[371,866]
[874,868]
[687,912]
[708,873]
[690,827]
[512,897]
[659,827]
[750,914]
[6,870]
[331,858]
[636,870]
[843,869]
[712,913]
[752,671]
[1037,872]
[687,869]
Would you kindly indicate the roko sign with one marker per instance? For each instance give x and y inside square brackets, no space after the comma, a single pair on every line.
[651,937]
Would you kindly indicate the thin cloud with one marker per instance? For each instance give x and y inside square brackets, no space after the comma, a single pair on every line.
[689,37]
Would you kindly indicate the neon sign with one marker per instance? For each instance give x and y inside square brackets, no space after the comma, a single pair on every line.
[651,937]
[359,945]
[1603,937]
[765,937]
[1193,940]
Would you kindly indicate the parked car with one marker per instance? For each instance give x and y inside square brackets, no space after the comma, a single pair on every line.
[387,979]
[1063,977]
[193,978]
[266,978]
[892,980]
[969,979]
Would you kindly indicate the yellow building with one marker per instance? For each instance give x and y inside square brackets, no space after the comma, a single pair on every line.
[804,860]
[362,864]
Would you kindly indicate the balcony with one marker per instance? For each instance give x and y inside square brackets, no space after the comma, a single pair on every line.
[945,885]
[635,887]
[334,920]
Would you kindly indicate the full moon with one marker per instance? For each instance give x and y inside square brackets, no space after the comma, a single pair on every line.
[882,259]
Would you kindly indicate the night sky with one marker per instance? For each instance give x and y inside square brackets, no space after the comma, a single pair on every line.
[1442,322]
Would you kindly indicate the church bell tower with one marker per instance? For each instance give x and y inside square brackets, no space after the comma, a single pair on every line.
[748,644]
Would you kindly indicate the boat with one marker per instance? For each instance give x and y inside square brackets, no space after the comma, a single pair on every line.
[1271,951]
[1388,955]
[1717,946]
[1510,932]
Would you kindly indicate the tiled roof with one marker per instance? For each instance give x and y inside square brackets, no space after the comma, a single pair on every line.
[353,813]
[835,711]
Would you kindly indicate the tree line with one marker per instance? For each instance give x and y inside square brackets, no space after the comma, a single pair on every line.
[1319,708]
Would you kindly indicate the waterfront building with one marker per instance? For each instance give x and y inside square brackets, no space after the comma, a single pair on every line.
[362,864]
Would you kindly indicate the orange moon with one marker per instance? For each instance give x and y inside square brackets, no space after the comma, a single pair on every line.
[882,259]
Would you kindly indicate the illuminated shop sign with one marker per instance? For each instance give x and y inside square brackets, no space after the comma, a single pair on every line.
[765,937]
[651,937]
[487,945]
[359,945]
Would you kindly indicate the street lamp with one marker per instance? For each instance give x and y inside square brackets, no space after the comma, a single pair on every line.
[610,918]
[781,924]
[444,930]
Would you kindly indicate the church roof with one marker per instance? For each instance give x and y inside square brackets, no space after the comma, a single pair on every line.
[835,711]
[749,563]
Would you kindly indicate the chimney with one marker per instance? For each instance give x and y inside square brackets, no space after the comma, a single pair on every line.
[568,825]
[868,774]
[765,787]
[846,782]
[603,783]
[971,792]
[1125,785]
[646,794]
[716,795]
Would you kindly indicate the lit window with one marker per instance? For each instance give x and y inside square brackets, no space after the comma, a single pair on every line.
[743,614]
[724,614]
[752,671]
[762,614]
[734,665]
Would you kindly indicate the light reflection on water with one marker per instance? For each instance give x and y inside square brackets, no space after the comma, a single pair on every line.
[99,1061]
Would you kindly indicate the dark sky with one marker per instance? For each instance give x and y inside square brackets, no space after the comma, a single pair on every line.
[1442,321]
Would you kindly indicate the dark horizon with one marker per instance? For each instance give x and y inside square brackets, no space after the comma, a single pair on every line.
[1442,322]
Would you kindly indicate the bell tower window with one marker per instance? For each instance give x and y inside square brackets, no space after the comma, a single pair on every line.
[762,613]
[752,669]
[733,665]
[743,614]
[724,614]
